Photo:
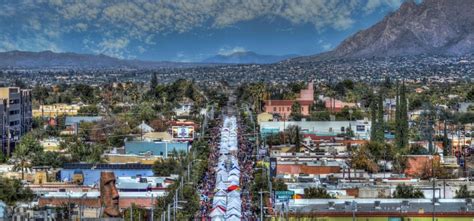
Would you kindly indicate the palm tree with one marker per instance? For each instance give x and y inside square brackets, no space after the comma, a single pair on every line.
[24,152]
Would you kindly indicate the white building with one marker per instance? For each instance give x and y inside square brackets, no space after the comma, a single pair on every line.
[361,128]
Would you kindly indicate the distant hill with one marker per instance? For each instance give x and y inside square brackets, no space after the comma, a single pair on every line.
[48,59]
[433,27]
[246,57]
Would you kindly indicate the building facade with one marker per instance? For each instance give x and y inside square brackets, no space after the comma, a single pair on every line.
[17,115]
[56,110]
[360,128]
[283,107]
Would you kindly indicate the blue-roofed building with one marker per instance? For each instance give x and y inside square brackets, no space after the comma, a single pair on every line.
[70,121]
[91,172]
[155,148]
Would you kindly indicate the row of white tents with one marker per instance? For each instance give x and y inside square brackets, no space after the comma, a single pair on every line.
[226,203]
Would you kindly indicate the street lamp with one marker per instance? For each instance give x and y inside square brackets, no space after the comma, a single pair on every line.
[350,119]
[354,209]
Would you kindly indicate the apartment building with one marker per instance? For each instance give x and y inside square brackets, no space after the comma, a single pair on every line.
[16,115]
[3,115]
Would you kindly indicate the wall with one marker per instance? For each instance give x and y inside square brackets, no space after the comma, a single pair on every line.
[92,176]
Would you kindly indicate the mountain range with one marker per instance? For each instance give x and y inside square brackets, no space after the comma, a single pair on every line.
[247,57]
[433,27]
[48,59]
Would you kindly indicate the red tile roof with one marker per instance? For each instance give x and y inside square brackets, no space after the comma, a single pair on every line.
[298,168]
[286,102]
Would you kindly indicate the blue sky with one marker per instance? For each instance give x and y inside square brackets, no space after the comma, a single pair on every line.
[184,30]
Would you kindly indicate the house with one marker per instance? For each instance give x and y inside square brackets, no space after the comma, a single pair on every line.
[145,128]
[283,107]
[157,136]
[466,107]
[335,105]
[148,148]
[184,108]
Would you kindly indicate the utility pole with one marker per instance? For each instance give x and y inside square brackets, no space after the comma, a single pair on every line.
[175,204]
[433,177]
[169,212]
[261,205]
[152,208]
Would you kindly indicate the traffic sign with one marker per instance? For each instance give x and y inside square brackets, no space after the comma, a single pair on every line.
[284,194]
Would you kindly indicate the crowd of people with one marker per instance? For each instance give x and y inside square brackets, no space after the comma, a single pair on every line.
[225,186]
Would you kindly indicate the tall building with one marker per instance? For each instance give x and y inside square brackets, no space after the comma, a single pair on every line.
[17,115]
[3,120]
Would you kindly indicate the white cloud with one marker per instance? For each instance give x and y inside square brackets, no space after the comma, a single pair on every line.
[326,46]
[229,51]
[116,47]
[141,20]
[141,49]
[372,5]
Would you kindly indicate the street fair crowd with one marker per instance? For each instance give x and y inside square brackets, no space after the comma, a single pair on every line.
[221,193]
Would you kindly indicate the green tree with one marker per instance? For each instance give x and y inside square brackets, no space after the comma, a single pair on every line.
[52,159]
[81,151]
[136,213]
[279,185]
[89,110]
[316,193]
[144,112]
[153,83]
[470,95]
[296,111]
[401,119]
[294,134]
[380,132]
[25,151]
[320,116]
[12,191]
[166,167]
[363,159]
[373,119]
[407,192]
[463,192]
[3,159]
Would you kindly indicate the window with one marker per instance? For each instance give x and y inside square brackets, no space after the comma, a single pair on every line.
[16,101]
[274,109]
[288,109]
[13,112]
[343,129]
[13,123]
